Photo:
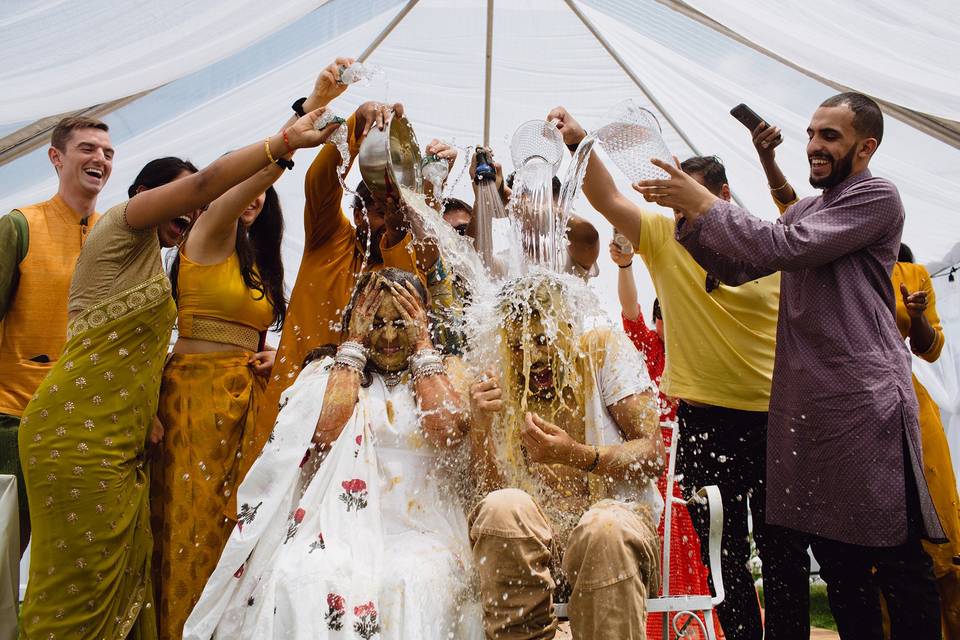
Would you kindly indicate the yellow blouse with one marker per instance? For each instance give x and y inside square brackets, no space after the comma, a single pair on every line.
[208,293]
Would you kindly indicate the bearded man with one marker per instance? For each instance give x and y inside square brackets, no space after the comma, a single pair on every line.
[567,443]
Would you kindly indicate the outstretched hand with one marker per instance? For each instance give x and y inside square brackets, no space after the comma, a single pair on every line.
[375,114]
[916,302]
[327,86]
[679,192]
[569,128]
[301,134]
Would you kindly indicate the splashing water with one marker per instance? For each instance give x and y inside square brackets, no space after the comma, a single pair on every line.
[361,73]
[487,207]
[531,208]
[574,180]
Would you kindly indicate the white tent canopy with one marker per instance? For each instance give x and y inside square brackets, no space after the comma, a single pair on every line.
[587,55]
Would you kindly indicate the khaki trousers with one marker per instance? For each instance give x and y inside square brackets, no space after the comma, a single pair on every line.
[612,561]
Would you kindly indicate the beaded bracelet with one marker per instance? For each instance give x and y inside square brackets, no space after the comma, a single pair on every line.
[286,141]
[351,355]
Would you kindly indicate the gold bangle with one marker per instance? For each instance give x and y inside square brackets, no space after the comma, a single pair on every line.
[266,147]
[785,183]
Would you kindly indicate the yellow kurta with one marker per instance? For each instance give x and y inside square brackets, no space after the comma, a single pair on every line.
[937,464]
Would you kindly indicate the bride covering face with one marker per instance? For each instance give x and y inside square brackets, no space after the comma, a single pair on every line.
[349,523]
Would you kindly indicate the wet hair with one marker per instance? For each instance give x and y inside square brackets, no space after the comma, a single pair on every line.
[867,116]
[258,251]
[905,254]
[713,172]
[456,204]
[363,198]
[557,185]
[65,128]
[657,313]
[159,172]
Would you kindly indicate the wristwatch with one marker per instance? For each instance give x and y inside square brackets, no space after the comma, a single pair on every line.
[298,107]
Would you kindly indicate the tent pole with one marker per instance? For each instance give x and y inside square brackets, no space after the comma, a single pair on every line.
[488,75]
[386,31]
[636,80]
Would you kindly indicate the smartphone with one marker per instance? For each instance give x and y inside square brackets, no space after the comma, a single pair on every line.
[747,116]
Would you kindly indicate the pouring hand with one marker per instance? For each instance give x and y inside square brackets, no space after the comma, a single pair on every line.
[443,151]
[375,114]
[327,87]
[569,128]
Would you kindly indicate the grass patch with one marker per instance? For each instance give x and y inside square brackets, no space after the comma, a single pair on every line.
[820,615]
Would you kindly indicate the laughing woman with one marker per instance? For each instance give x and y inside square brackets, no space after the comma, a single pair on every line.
[368,538]
[228,283]
[82,437]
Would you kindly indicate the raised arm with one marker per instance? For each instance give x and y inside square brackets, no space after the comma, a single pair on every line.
[856,218]
[626,285]
[151,207]
[598,184]
[321,214]
[766,138]
[214,232]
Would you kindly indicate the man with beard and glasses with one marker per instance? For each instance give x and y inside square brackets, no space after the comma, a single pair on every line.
[334,253]
[845,468]
[39,245]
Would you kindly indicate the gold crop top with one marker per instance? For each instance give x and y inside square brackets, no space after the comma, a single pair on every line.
[214,304]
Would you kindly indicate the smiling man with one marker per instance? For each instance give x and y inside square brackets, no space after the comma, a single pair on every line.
[39,245]
[844,465]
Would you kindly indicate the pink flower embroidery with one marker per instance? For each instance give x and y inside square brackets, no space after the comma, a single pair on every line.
[367,624]
[336,608]
[294,524]
[354,494]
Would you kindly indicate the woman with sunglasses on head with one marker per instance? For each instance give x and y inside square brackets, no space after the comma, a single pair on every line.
[83,436]
[227,281]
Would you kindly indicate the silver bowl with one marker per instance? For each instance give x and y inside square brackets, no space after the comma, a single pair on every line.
[392,154]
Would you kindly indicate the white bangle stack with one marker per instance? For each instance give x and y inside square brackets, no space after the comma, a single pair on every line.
[426,362]
[351,355]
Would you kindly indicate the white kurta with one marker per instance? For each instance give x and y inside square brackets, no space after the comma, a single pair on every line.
[370,542]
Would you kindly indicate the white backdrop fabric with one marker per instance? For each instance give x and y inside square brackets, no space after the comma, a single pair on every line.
[904,53]
[942,378]
[60,56]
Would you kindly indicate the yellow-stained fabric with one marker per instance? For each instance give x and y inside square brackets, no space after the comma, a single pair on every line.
[218,291]
[82,447]
[36,322]
[720,345]
[332,260]
[207,407]
[937,464]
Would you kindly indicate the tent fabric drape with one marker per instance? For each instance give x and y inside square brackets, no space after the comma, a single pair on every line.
[850,43]
[62,56]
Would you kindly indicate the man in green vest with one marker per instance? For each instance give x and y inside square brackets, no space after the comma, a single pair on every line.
[39,245]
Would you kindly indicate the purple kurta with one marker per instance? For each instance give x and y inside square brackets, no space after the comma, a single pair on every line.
[842,400]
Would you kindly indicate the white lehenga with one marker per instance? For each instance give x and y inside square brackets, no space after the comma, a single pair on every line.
[368,543]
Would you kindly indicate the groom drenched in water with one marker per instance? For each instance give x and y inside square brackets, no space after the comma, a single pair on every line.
[567,444]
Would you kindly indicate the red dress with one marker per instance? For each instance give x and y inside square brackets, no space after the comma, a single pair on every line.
[688,575]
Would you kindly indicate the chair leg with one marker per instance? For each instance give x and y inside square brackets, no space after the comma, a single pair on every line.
[711,629]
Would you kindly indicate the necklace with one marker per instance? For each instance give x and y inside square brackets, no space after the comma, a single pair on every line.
[392,378]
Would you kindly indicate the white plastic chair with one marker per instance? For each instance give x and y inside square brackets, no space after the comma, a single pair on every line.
[679,612]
